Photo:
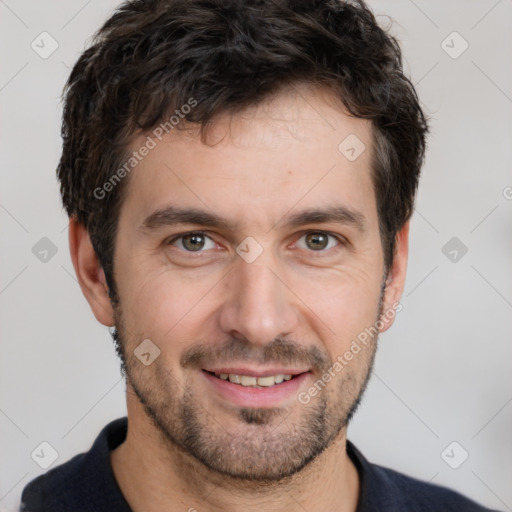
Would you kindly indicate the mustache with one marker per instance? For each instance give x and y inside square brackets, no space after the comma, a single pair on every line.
[279,351]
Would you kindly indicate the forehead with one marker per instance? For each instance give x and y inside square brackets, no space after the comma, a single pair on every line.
[297,149]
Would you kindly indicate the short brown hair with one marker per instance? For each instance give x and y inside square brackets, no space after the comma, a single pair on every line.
[152,56]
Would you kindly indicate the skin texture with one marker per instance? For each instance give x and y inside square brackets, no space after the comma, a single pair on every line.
[295,306]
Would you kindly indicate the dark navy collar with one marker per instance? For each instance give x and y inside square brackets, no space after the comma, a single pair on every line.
[86,483]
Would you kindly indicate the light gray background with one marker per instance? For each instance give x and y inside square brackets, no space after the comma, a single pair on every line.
[443,371]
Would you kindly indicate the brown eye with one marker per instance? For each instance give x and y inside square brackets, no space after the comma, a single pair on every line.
[193,242]
[317,241]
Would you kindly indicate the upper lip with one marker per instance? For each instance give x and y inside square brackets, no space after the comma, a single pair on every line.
[256,372]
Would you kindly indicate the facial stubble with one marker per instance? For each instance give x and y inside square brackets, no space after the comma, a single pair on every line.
[270,444]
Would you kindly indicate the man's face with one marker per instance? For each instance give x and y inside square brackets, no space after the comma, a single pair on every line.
[257,295]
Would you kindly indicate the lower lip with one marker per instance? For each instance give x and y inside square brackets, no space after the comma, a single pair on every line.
[256,397]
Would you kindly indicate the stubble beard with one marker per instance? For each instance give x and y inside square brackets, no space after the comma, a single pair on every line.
[269,444]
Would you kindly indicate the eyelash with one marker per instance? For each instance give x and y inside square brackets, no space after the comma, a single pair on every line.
[341,241]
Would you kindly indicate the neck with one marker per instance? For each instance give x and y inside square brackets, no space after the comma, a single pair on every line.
[155,475]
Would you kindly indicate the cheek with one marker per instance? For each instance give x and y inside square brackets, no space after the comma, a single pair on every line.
[164,305]
[176,308]
[343,305]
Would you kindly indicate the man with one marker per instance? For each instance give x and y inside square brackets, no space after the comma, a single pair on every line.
[239,178]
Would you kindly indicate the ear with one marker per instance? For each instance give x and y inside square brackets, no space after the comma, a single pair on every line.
[395,281]
[90,273]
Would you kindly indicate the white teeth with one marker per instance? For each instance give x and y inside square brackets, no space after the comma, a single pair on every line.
[250,381]
[266,381]
[247,381]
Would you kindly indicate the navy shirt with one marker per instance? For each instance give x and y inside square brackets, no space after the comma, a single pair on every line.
[86,483]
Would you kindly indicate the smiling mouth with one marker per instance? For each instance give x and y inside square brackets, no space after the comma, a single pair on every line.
[254,382]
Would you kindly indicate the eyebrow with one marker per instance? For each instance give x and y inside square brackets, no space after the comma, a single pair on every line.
[173,215]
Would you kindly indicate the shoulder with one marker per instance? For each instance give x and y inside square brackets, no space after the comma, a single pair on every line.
[86,482]
[384,489]
[426,497]
[55,487]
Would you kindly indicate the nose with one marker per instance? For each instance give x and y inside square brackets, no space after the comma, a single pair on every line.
[258,304]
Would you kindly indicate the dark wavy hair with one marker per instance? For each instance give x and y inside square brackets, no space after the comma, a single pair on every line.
[152,56]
